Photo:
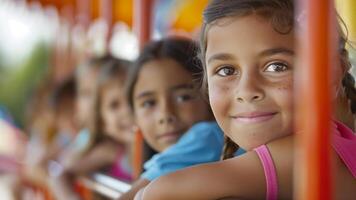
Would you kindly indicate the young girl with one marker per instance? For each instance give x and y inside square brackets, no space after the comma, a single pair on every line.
[61,106]
[110,125]
[248,54]
[170,111]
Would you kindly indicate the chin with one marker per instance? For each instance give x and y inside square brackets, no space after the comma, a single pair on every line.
[250,141]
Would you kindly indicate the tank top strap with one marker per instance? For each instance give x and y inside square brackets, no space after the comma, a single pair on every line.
[344,143]
[270,172]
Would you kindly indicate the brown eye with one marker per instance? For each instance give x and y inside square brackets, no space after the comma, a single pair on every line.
[277,67]
[148,103]
[114,104]
[184,98]
[226,71]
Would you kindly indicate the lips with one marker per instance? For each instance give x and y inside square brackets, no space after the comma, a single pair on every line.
[254,117]
[169,136]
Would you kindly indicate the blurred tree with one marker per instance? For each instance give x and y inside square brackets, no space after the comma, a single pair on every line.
[18,83]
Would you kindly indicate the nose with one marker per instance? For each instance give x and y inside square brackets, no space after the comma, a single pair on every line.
[166,112]
[249,89]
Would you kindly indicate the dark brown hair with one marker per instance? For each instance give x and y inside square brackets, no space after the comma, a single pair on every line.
[182,50]
[281,16]
[65,90]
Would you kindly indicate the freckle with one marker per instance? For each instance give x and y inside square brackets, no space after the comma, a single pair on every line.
[286,86]
[225,88]
[283,88]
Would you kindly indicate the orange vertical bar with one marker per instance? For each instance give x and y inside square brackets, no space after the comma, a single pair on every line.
[142,24]
[137,154]
[313,100]
[143,20]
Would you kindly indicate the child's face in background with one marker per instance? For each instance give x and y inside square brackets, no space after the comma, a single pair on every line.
[166,103]
[85,99]
[115,112]
[250,80]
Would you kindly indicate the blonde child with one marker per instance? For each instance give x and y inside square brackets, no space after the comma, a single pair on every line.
[248,52]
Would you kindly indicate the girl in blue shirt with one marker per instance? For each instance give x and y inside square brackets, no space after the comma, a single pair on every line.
[168,107]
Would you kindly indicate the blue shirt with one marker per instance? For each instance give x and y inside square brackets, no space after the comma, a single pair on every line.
[4,115]
[202,143]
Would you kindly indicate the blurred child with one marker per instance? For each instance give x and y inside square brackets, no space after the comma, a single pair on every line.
[248,53]
[164,93]
[109,133]
[40,127]
[62,104]
[86,80]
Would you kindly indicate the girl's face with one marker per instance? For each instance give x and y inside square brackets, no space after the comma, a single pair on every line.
[115,112]
[65,119]
[166,102]
[249,73]
[85,97]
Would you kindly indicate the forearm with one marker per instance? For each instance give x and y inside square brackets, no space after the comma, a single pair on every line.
[95,160]
[179,186]
[89,165]
[139,184]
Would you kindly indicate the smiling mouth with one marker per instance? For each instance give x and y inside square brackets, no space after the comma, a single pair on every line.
[254,117]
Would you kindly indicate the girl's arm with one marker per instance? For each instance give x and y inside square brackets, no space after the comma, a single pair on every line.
[102,155]
[241,177]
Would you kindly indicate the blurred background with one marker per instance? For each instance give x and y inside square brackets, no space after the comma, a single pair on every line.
[50,37]
[42,42]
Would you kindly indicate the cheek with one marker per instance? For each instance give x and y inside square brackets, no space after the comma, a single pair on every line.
[283,88]
[286,86]
[145,123]
[148,130]
[112,117]
[283,95]
[219,98]
[86,104]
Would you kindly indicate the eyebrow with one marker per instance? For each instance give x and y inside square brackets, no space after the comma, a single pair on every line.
[221,57]
[144,94]
[280,50]
[267,52]
[174,88]
[182,86]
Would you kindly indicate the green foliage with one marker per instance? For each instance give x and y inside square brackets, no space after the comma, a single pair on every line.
[17,85]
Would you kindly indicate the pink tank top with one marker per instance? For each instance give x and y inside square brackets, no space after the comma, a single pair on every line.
[120,169]
[344,143]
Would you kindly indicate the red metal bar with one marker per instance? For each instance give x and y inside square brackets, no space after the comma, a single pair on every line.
[313,100]
[143,20]
[142,25]
[138,154]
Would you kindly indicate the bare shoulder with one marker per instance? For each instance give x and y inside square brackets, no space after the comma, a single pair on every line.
[240,177]
[283,154]
[345,183]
